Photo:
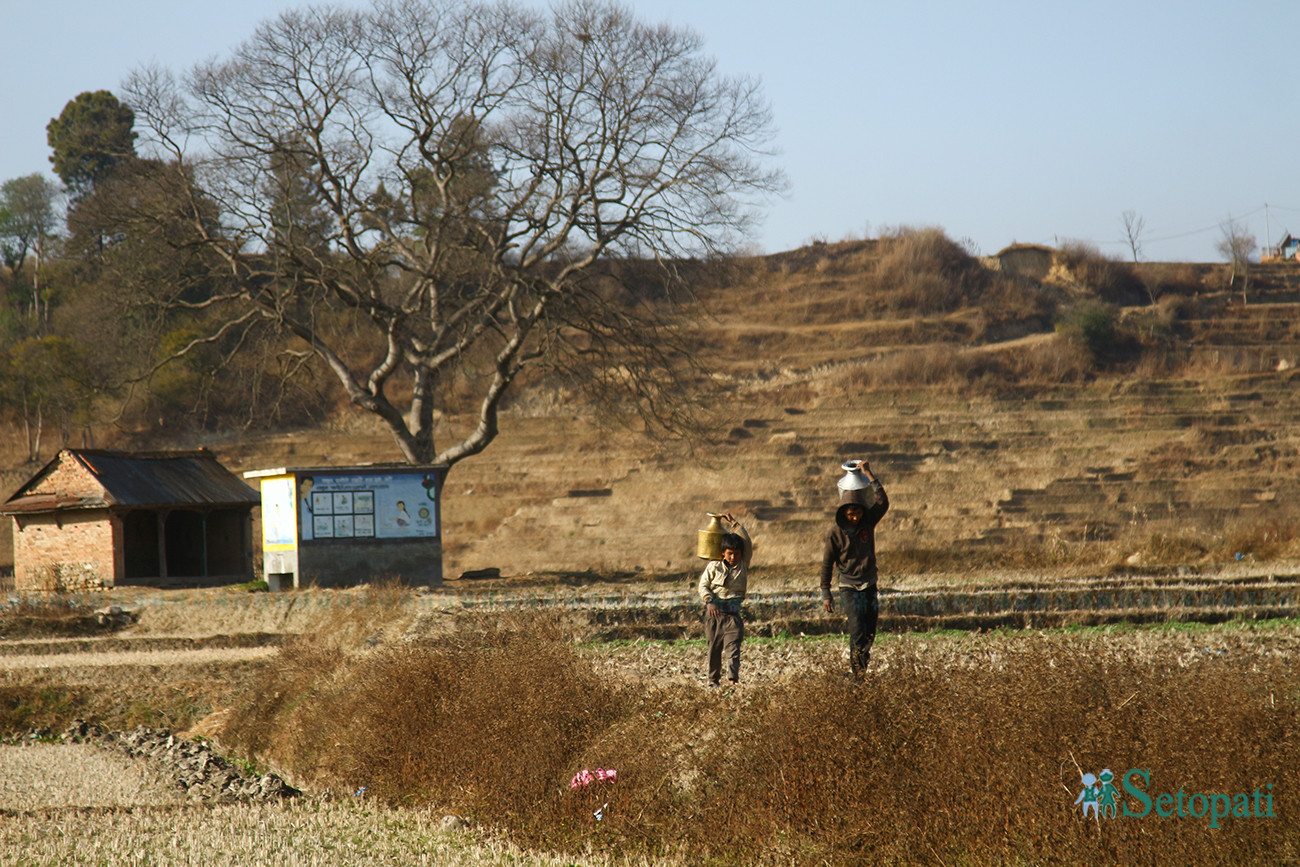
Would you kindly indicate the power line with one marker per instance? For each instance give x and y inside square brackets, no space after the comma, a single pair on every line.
[1215,227]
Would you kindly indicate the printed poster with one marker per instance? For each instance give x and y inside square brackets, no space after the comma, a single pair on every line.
[368,506]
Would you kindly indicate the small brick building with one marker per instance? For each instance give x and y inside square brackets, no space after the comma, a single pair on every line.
[92,519]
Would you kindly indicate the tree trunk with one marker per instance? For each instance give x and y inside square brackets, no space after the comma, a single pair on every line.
[33,437]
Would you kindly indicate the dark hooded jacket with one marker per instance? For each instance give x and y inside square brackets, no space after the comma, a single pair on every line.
[850,553]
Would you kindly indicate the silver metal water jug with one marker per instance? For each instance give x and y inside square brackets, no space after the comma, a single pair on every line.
[853,479]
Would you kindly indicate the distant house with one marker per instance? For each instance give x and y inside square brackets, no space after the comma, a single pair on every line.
[94,519]
[1025,260]
[1289,248]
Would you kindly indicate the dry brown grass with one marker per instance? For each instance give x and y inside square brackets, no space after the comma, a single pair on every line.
[1111,280]
[1266,540]
[346,615]
[932,365]
[947,368]
[982,764]
[1172,279]
[977,561]
[922,269]
[431,720]
[969,749]
[50,614]
[908,272]
[120,697]
[133,682]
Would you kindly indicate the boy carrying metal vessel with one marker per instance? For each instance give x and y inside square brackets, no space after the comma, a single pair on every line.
[722,587]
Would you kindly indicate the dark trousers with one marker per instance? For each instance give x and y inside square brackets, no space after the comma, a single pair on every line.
[863,610]
[723,635]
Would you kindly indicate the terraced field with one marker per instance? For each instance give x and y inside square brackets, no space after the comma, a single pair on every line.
[1018,484]
[1090,477]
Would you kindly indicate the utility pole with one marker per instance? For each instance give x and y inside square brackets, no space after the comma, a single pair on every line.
[1268,240]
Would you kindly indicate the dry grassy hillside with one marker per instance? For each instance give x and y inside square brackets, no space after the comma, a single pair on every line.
[1034,464]
[1001,446]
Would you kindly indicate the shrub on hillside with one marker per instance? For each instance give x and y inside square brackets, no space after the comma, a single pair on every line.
[1165,280]
[1112,281]
[926,271]
[1239,539]
[1050,362]
[1096,327]
[1013,307]
[944,366]
[937,365]
[1258,540]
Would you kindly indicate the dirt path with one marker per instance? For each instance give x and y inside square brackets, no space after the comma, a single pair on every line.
[31,661]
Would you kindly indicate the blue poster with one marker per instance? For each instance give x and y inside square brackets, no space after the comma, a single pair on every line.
[368,506]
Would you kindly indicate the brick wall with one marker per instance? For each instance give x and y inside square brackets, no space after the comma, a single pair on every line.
[69,551]
[70,478]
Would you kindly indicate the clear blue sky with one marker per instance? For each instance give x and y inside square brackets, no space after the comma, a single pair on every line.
[1001,121]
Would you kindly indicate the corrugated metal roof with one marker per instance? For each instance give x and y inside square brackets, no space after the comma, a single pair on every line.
[50,503]
[142,479]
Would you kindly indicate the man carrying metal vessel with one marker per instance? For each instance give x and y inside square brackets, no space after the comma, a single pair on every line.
[850,554]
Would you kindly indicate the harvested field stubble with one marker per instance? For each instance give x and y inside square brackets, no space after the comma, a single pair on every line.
[50,776]
[309,834]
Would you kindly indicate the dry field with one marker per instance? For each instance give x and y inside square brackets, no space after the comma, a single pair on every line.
[1040,507]
[45,777]
[312,833]
[65,804]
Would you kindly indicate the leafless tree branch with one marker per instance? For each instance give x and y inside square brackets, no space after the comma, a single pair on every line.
[453,174]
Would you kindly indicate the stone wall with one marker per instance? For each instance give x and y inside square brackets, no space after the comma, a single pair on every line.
[195,767]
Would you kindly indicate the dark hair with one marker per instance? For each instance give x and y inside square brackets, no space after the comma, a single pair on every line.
[734,542]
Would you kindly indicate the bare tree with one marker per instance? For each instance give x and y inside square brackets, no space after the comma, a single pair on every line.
[1237,244]
[1135,226]
[479,165]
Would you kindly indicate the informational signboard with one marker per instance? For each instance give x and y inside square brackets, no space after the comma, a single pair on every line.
[367,506]
[279,530]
